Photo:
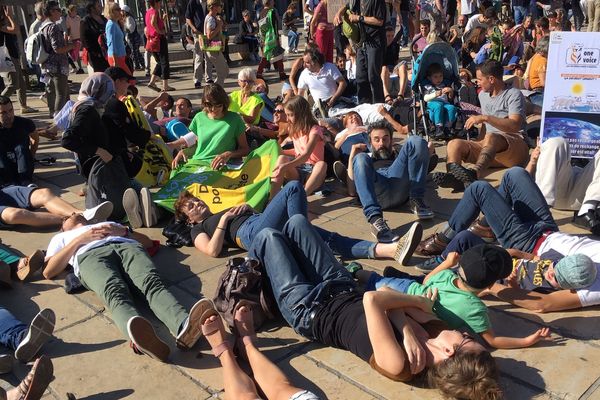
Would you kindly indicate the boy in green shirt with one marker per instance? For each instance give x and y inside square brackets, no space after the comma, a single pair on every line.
[457,301]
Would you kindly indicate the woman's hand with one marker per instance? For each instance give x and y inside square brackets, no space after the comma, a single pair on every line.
[180,156]
[414,350]
[234,211]
[104,154]
[220,160]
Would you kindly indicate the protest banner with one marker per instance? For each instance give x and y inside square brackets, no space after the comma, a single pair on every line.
[572,92]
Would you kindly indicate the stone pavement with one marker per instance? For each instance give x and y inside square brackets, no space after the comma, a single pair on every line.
[93,361]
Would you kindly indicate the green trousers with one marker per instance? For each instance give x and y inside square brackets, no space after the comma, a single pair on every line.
[117,270]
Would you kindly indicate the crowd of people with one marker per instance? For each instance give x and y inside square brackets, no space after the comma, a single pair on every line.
[366,119]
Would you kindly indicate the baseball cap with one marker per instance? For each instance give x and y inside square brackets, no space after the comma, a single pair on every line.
[118,73]
[484,264]
[576,271]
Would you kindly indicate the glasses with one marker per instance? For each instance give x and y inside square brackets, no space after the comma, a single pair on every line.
[278,110]
[466,339]
[245,80]
[212,106]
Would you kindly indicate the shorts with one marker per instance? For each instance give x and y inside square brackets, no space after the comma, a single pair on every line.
[16,197]
[304,170]
[304,395]
[398,284]
[516,154]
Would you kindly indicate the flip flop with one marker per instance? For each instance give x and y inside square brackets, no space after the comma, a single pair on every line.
[37,380]
[29,265]
[212,327]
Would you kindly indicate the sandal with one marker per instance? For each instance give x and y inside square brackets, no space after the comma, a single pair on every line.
[35,383]
[29,265]
[214,327]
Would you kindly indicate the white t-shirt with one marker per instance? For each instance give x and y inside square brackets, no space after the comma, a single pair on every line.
[62,239]
[369,113]
[351,69]
[567,245]
[473,23]
[323,84]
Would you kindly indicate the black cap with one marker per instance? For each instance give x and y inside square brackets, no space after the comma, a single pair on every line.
[484,264]
[118,73]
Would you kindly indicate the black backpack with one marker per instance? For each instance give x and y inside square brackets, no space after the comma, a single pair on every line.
[107,182]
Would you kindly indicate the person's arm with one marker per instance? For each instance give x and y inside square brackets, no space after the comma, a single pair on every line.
[337,19]
[533,160]
[150,107]
[374,21]
[250,118]
[397,126]
[212,33]
[212,246]
[300,159]
[10,26]
[449,262]
[55,43]
[338,93]
[154,24]
[512,123]
[505,342]
[356,148]
[268,133]
[514,253]
[559,300]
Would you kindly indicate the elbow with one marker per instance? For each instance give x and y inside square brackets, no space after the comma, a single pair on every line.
[370,299]
[47,273]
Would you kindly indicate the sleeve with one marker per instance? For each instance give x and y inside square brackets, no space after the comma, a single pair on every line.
[429,93]
[479,321]
[29,126]
[194,125]
[591,295]
[188,11]
[516,103]
[79,137]
[56,244]
[302,81]
[56,38]
[196,230]
[335,73]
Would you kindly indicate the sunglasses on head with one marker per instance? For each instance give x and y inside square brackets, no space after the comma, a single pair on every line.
[279,110]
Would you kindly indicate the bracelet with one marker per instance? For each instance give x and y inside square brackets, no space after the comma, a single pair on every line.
[218,227]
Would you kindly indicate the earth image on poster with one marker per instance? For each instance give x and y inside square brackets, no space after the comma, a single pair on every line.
[571,129]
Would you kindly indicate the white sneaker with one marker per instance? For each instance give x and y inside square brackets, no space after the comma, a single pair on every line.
[131,204]
[149,212]
[40,331]
[100,213]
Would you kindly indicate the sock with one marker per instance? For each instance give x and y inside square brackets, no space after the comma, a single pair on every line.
[485,158]
[373,218]
[447,233]
[587,206]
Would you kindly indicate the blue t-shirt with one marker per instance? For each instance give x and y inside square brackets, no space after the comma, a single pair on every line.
[115,40]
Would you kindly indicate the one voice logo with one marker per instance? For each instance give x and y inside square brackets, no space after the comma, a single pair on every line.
[577,55]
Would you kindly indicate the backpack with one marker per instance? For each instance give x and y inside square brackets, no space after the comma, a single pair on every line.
[107,181]
[36,51]
[178,233]
[245,279]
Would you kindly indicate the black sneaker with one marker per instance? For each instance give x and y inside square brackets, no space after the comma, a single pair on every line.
[40,331]
[446,180]
[589,221]
[465,175]
[420,209]
[383,233]
[340,171]
[198,85]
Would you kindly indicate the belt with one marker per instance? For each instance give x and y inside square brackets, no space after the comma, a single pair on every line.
[541,240]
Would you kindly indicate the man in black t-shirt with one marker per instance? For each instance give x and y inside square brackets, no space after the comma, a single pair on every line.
[370,15]
[16,158]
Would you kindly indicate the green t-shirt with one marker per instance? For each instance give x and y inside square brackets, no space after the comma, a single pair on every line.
[246,109]
[216,136]
[458,308]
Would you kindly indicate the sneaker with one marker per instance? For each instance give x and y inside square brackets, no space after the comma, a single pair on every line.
[149,214]
[191,330]
[340,171]
[446,180]
[465,175]
[153,87]
[144,339]
[420,209]
[383,233]
[100,213]
[430,264]
[589,221]
[408,243]
[131,204]
[432,245]
[198,85]
[6,363]
[40,331]
[28,110]
[29,265]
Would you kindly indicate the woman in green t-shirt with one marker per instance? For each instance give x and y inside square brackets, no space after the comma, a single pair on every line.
[245,101]
[217,133]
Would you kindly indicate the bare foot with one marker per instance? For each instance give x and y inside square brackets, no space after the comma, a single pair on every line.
[214,332]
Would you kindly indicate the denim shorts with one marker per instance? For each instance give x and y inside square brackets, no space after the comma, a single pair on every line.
[398,284]
[304,170]
[16,197]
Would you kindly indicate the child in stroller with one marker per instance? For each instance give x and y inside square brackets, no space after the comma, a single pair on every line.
[439,97]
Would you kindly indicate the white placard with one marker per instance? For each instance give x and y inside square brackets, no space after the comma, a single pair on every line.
[572,93]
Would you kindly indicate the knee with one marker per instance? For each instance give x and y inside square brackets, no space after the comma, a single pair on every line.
[479,187]
[455,145]
[293,187]
[42,196]
[515,173]
[296,221]
[554,144]
[418,143]
[361,161]
[12,215]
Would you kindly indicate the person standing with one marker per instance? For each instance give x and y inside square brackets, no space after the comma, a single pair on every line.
[115,38]
[269,32]
[56,67]
[92,26]
[133,38]
[322,31]
[370,16]
[157,45]
[73,22]
[194,18]
[15,80]
[213,32]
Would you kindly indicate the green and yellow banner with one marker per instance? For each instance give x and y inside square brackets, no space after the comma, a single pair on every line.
[225,188]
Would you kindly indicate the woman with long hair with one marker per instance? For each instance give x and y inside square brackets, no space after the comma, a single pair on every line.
[476,38]
[157,45]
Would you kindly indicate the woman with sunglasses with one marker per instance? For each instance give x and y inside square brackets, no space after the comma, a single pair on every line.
[245,101]
[217,132]
[395,333]
[278,129]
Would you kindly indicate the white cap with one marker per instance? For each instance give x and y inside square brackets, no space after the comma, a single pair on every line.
[126,9]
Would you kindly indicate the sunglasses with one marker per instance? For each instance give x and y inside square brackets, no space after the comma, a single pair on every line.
[278,110]
[245,80]
[212,106]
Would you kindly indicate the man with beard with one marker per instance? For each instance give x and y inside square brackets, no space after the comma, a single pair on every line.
[388,177]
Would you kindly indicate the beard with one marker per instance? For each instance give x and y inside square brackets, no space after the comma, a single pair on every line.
[383,153]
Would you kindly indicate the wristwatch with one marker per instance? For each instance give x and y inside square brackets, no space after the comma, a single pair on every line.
[361,19]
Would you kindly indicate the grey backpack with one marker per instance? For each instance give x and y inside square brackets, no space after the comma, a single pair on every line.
[107,181]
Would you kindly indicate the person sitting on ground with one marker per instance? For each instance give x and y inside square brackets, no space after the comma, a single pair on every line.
[393,66]
[245,101]
[336,313]
[278,129]
[458,303]
[306,161]
[500,142]
[182,111]
[323,79]
[237,226]
[440,98]
[105,257]
[237,385]
[567,187]
[456,33]
[388,177]
[536,71]
[34,385]
[472,44]
[26,340]
[217,132]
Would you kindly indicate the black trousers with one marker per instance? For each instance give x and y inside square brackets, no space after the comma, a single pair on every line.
[369,61]
[162,69]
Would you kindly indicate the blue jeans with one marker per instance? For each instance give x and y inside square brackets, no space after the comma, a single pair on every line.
[462,242]
[303,271]
[293,39]
[12,331]
[520,13]
[405,30]
[346,147]
[390,187]
[398,284]
[290,201]
[517,212]
[441,113]
[537,98]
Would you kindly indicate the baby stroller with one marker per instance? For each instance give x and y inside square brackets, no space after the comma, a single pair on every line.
[443,54]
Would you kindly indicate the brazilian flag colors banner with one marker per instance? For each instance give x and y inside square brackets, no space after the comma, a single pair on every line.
[225,188]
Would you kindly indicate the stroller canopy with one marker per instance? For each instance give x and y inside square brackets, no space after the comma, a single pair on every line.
[435,53]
